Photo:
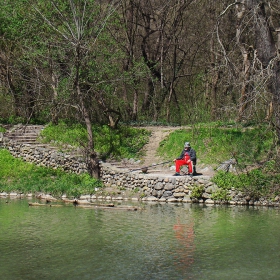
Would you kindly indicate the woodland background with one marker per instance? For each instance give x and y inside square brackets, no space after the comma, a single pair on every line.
[140,61]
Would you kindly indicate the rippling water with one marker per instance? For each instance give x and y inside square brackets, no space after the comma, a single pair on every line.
[162,241]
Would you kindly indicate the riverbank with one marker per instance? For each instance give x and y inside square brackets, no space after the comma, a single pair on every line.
[121,184]
[121,180]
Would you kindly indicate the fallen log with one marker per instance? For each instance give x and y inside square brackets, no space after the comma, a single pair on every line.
[86,202]
[69,200]
[37,204]
[47,204]
[92,205]
[107,207]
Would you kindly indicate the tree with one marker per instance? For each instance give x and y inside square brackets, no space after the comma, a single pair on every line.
[77,26]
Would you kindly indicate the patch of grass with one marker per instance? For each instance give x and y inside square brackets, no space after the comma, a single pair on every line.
[216,144]
[220,195]
[17,175]
[124,142]
[70,134]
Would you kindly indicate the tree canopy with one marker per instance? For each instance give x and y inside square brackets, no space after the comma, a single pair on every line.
[177,62]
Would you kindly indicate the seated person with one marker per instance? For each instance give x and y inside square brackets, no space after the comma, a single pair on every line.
[187,157]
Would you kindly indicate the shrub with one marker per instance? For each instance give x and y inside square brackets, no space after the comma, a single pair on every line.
[220,195]
[197,192]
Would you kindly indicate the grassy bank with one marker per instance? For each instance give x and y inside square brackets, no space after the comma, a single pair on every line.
[215,143]
[257,168]
[123,142]
[254,149]
[17,175]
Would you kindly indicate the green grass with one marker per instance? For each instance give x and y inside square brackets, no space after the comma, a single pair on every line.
[256,183]
[217,144]
[17,175]
[124,142]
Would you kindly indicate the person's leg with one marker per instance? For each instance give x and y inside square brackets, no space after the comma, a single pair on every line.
[179,163]
[194,169]
[190,166]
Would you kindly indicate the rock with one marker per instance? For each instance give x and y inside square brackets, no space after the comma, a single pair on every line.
[167,194]
[206,195]
[159,186]
[187,199]
[172,199]
[169,187]
[178,195]
[13,194]
[209,201]
[85,197]
[152,198]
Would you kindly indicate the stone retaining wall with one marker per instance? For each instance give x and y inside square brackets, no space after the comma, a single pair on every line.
[46,157]
[168,188]
[154,186]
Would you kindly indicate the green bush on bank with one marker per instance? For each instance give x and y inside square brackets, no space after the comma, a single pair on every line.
[17,175]
[255,183]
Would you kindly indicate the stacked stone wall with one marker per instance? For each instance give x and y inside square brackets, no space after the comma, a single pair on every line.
[151,186]
[167,188]
[46,157]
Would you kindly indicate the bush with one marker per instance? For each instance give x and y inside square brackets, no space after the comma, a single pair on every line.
[220,195]
[197,192]
[255,183]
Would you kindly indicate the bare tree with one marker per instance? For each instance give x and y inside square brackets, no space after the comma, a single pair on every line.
[79,31]
[267,47]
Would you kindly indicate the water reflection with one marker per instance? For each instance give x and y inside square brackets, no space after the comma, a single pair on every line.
[163,241]
[185,235]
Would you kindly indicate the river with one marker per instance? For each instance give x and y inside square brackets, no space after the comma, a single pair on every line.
[160,241]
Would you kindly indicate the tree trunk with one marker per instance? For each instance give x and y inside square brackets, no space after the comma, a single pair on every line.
[245,76]
[92,160]
[268,54]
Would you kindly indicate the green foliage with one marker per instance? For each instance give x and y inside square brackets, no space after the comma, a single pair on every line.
[255,183]
[197,192]
[63,133]
[17,175]
[124,142]
[220,195]
[226,180]
[12,119]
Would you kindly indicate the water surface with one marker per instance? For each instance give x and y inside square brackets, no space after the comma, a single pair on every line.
[162,241]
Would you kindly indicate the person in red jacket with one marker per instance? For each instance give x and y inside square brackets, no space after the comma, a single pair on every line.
[187,157]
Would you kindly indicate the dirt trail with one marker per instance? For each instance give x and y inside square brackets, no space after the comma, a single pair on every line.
[159,133]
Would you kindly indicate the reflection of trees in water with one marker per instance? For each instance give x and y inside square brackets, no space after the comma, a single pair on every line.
[185,235]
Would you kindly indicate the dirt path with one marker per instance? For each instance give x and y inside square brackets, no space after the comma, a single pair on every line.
[159,133]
